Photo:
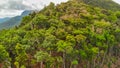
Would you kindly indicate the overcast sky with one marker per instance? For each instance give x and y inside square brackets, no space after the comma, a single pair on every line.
[118,1]
[10,8]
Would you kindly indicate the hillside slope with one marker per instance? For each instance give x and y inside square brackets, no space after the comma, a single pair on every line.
[105,4]
[68,35]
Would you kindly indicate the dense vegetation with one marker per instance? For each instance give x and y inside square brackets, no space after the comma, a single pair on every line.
[106,4]
[69,35]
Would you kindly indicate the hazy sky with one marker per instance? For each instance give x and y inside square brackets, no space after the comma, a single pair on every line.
[118,1]
[10,8]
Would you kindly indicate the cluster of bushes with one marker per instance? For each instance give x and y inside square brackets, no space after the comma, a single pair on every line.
[69,35]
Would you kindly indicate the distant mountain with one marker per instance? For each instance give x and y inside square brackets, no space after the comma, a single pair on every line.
[14,21]
[4,19]
[26,12]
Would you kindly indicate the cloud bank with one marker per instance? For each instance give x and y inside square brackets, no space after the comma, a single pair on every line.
[10,8]
[117,1]
[13,5]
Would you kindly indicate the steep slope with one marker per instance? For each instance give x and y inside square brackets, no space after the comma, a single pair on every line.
[105,4]
[14,21]
[68,35]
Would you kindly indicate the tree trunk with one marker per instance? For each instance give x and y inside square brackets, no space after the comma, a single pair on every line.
[1,65]
[64,65]
[41,64]
[102,63]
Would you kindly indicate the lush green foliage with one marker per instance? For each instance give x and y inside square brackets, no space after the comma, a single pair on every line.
[68,35]
[105,4]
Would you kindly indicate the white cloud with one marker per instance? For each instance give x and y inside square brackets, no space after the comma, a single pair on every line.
[38,4]
[9,8]
[117,1]
[9,13]
[13,5]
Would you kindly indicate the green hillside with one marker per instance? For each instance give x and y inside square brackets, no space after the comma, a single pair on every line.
[68,35]
[105,4]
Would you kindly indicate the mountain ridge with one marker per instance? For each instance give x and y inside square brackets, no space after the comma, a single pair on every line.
[105,4]
[4,19]
[14,21]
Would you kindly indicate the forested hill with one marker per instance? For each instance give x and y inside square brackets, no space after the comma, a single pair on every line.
[68,35]
[104,4]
